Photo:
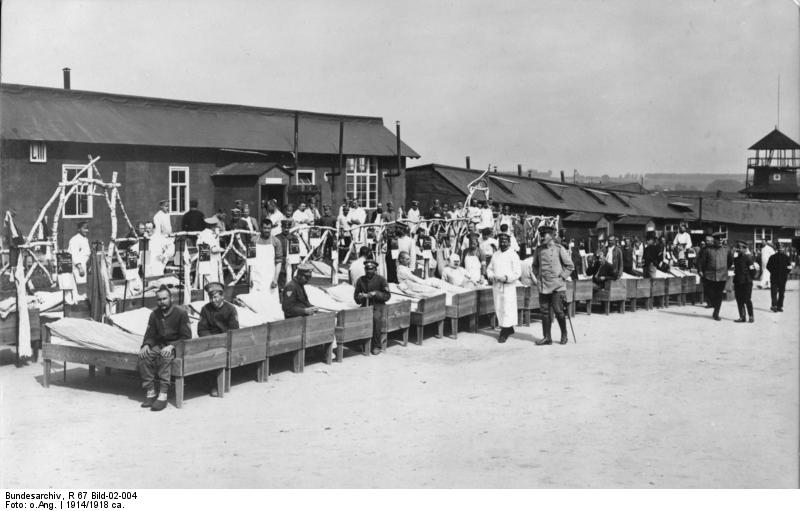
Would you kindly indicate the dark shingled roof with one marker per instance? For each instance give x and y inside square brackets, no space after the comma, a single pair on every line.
[581,206]
[59,115]
[775,140]
[244,169]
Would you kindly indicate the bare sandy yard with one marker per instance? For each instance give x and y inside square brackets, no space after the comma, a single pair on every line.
[666,399]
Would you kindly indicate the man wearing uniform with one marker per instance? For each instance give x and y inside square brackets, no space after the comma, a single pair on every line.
[778,265]
[372,289]
[744,269]
[551,265]
[216,317]
[167,324]
[712,265]
[295,300]
[413,215]
[503,273]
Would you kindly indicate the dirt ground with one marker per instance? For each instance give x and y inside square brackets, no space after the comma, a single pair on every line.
[666,399]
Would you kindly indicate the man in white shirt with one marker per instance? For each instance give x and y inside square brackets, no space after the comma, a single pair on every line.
[275,216]
[413,215]
[357,267]
[487,217]
[503,272]
[474,212]
[161,221]
[488,244]
[683,238]
[505,218]
[80,251]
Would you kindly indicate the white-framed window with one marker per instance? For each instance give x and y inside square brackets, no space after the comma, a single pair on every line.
[38,152]
[178,190]
[79,204]
[762,234]
[305,177]
[362,180]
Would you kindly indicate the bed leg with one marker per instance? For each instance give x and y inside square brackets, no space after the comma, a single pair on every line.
[91,371]
[266,369]
[227,377]
[46,372]
[440,329]
[493,321]
[367,347]
[65,371]
[589,307]
[419,334]
[454,328]
[329,353]
[260,371]
[473,323]
[178,392]
[221,382]
[299,360]
[339,351]
[622,307]
[405,336]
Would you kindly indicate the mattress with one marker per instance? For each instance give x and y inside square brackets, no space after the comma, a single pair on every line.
[94,335]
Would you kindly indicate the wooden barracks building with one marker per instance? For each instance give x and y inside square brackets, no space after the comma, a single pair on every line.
[177,150]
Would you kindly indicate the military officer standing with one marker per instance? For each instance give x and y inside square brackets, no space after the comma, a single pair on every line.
[552,265]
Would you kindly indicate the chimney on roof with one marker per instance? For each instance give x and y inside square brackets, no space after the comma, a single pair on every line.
[66,78]
[468,167]
[519,169]
[530,173]
[562,177]
[495,169]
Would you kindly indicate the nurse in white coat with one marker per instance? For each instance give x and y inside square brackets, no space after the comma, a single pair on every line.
[503,272]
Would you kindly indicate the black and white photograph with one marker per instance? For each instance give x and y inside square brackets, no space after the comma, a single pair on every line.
[397,245]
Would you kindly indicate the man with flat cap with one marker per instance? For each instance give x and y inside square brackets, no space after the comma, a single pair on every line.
[372,289]
[503,272]
[551,266]
[413,216]
[285,238]
[295,300]
[216,317]
[712,265]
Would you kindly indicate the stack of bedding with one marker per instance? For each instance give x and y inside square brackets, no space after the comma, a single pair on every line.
[94,335]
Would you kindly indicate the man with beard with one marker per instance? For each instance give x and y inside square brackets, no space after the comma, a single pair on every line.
[551,265]
[503,273]
[372,289]
[166,325]
[712,265]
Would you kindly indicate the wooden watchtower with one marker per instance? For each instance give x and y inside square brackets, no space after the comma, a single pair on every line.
[774,166]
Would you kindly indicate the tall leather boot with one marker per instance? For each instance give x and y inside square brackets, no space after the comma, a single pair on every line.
[562,324]
[546,324]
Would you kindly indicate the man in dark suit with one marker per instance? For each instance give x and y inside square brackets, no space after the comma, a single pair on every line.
[744,269]
[372,289]
[779,265]
[607,264]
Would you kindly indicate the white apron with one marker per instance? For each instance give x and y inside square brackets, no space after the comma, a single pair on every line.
[262,270]
[505,264]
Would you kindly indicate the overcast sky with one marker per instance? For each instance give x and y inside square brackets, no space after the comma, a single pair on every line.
[602,87]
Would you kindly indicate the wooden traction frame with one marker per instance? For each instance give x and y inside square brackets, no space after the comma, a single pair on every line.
[353,325]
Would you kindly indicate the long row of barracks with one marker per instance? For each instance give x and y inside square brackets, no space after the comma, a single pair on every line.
[217,153]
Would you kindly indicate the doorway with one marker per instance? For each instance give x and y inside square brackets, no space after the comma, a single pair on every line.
[274,192]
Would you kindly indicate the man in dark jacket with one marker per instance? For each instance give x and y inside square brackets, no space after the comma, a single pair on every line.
[712,265]
[372,289]
[216,317]
[744,269]
[779,265]
[194,219]
[295,300]
[166,325]
[650,258]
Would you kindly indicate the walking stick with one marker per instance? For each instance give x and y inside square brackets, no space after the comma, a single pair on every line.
[574,339]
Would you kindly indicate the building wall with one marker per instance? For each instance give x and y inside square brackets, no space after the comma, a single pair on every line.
[143,173]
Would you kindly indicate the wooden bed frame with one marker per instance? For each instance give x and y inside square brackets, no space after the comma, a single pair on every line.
[674,289]
[319,330]
[192,356]
[286,336]
[612,291]
[429,311]
[485,306]
[689,289]
[583,291]
[658,290]
[9,330]
[523,299]
[396,316]
[247,346]
[353,325]
[463,305]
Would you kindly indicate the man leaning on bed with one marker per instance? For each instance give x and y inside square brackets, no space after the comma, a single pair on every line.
[167,324]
